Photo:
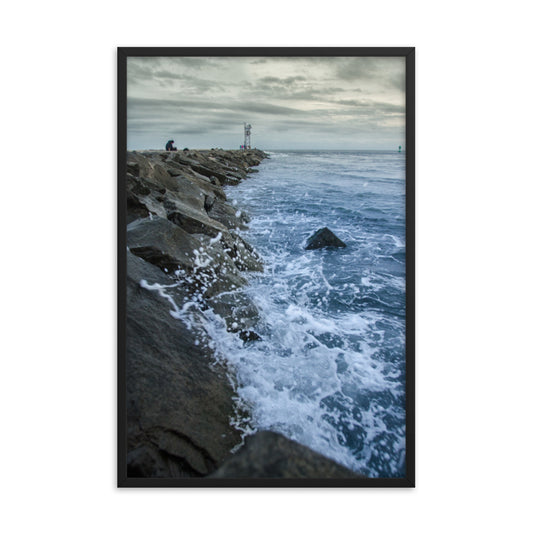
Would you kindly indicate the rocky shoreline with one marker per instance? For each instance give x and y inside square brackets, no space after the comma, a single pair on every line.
[184,254]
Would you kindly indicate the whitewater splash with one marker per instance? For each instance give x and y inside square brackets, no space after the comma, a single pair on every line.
[329,370]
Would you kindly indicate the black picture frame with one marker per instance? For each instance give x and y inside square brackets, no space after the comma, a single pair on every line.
[122,55]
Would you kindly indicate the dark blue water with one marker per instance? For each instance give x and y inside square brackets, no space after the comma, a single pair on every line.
[330,370]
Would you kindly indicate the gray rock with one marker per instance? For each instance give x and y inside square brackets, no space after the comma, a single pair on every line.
[191,220]
[209,202]
[136,209]
[163,244]
[226,214]
[239,312]
[243,254]
[324,238]
[179,405]
[270,455]
[204,267]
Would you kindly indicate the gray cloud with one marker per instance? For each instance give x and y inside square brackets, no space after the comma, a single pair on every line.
[290,80]
[363,68]
[328,102]
[153,105]
[381,107]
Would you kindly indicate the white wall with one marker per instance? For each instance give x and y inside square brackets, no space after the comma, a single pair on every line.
[474,289]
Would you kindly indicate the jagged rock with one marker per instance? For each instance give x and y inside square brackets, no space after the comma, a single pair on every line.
[174,246]
[136,209]
[193,221]
[243,255]
[238,175]
[133,166]
[140,189]
[323,238]
[230,180]
[249,336]
[208,172]
[209,202]
[238,311]
[270,455]
[204,267]
[226,214]
[178,404]
[186,185]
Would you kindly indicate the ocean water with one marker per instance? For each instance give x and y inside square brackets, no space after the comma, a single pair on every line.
[329,371]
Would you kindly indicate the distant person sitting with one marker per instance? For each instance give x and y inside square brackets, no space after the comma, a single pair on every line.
[169,147]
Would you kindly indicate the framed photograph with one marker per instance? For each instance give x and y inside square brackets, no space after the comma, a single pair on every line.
[266,267]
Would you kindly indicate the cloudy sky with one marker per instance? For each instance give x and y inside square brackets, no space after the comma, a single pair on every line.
[305,102]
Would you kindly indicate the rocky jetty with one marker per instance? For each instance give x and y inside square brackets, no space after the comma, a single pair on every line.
[185,256]
[183,252]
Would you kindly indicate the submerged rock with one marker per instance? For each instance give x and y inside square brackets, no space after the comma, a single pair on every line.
[323,238]
[270,455]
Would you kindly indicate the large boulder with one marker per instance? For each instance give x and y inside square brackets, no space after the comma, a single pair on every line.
[192,220]
[324,238]
[270,455]
[227,214]
[200,262]
[179,405]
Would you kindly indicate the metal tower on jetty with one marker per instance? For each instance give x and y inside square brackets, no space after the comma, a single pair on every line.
[247,136]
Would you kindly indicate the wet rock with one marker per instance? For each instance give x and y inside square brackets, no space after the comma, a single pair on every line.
[270,455]
[157,236]
[178,404]
[238,311]
[201,265]
[230,180]
[249,336]
[243,255]
[194,221]
[226,214]
[324,238]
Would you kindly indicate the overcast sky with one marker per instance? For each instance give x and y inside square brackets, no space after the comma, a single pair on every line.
[306,102]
